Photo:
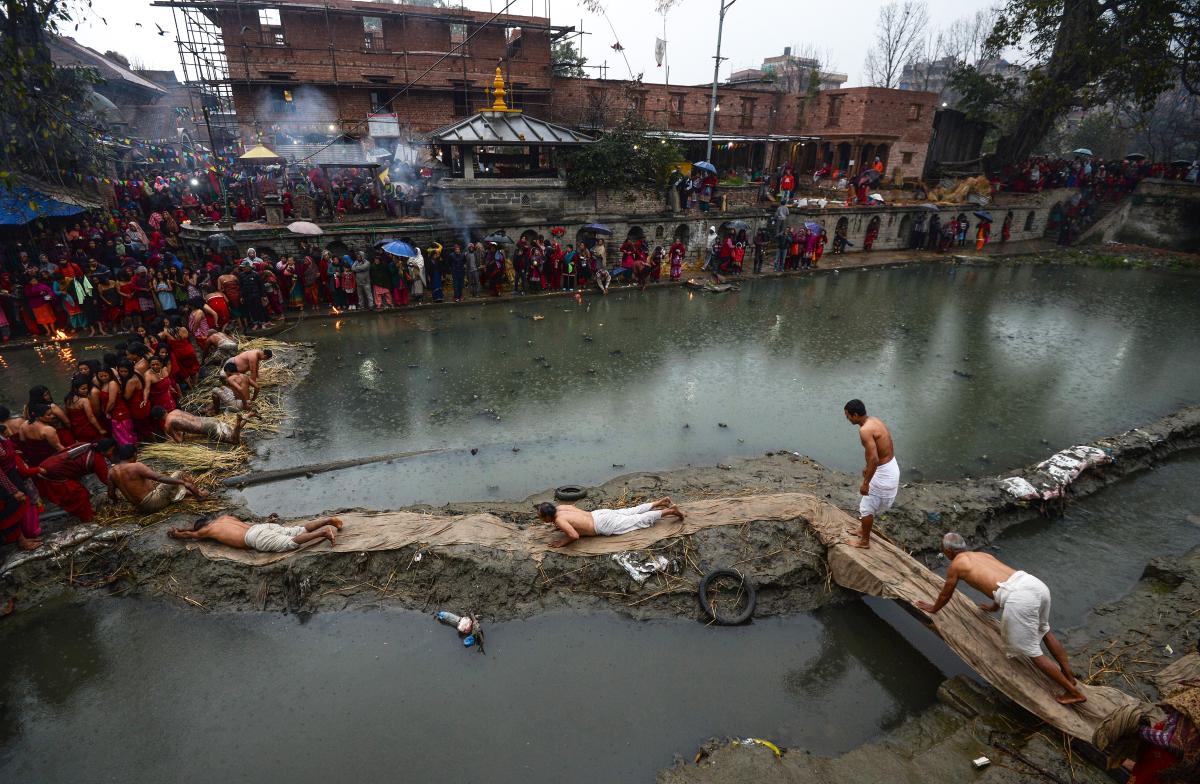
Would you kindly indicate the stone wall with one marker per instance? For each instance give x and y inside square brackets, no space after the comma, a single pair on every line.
[1161,213]
[535,206]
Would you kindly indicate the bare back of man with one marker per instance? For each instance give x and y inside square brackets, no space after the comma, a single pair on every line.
[574,517]
[178,423]
[874,430]
[242,384]
[981,571]
[881,474]
[136,481]
[248,361]
[229,530]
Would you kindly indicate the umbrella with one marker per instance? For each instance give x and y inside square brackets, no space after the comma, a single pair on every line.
[930,207]
[1136,156]
[737,225]
[557,231]
[1181,163]
[399,248]
[259,154]
[499,238]
[870,177]
[875,197]
[1082,151]
[812,226]
[983,215]
[221,241]
[705,166]
[304,227]
[597,228]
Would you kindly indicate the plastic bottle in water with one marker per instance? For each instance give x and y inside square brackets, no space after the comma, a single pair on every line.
[448,618]
[468,641]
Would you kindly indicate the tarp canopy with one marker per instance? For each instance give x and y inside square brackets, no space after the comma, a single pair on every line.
[22,204]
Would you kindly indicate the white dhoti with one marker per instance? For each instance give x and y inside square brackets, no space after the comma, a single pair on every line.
[610,522]
[229,401]
[881,492]
[216,430]
[1024,614]
[272,537]
[162,495]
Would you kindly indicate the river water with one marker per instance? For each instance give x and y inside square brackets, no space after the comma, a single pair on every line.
[976,369]
[131,690]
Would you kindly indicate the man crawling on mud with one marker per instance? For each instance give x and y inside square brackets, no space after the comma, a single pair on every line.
[145,488]
[881,477]
[576,522]
[1024,604]
[263,537]
[178,423]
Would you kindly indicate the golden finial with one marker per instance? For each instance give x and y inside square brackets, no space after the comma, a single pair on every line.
[498,90]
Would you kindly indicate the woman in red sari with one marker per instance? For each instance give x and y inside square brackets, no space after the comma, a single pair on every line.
[62,423]
[20,521]
[160,389]
[110,406]
[183,354]
[133,390]
[85,425]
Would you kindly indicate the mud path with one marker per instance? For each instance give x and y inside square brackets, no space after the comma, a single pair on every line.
[783,558]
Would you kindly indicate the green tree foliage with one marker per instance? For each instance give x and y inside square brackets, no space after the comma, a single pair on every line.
[565,59]
[45,125]
[624,155]
[1085,53]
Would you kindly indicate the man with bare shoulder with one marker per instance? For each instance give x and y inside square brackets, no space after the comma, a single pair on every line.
[235,391]
[248,361]
[576,522]
[178,423]
[263,537]
[145,488]
[881,477]
[1024,604]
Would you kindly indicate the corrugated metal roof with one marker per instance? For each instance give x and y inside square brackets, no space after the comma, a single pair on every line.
[506,128]
[326,155]
[66,52]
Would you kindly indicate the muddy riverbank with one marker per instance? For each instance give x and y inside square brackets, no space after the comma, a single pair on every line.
[783,558]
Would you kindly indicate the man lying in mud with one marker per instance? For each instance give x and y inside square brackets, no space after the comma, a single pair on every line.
[576,522]
[145,488]
[1024,604]
[881,477]
[263,537]
[178,423]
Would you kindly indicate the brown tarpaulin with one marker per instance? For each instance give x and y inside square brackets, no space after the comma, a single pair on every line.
[884,570]
[364,531]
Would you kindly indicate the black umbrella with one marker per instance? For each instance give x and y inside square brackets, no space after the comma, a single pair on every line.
[1136,156]
[983,215]
[499,237]
[1181,163]
[597,228]
[870,177]
[737,225]
[930,207]
[221,241]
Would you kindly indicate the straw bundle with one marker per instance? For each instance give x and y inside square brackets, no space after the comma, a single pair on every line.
[195,457]
[121,513]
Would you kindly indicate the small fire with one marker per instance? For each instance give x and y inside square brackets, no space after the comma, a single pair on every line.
[337,324]
[60,335]
[334,311]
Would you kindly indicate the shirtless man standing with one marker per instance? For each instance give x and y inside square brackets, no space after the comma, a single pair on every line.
[881,477]
[263,537]
[248,361]
[1024,604]
[175,424]
[145,488]
[575,522]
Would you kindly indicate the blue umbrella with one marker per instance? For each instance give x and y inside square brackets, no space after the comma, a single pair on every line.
[812,226]
[984,215]
[21,205]
[399,248]
[598,228]
[705,165]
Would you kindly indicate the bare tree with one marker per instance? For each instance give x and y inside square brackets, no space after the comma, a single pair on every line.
[966,37]
[901,30]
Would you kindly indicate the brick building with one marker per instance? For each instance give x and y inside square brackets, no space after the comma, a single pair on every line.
[312,70]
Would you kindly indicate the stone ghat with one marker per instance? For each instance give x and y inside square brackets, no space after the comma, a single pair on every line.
[784,558]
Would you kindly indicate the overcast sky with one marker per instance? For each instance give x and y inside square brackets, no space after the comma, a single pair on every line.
[753,29]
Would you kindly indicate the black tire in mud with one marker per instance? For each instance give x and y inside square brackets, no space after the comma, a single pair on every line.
[743,608]
[570,493]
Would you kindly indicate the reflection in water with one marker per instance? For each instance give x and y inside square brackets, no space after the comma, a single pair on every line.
[358,696]
[971,368]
